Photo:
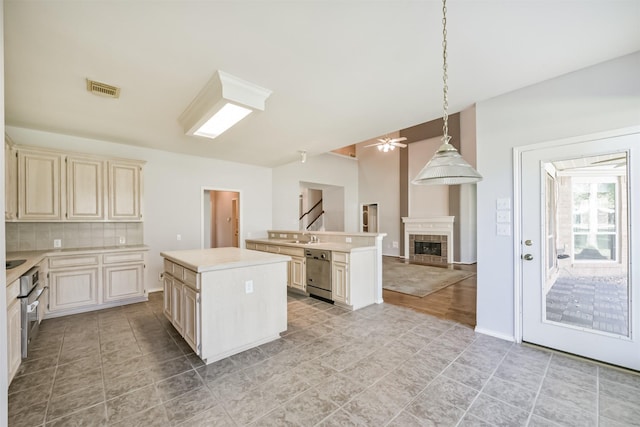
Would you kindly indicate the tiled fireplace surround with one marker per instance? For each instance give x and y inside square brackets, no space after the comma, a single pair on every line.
[432,229]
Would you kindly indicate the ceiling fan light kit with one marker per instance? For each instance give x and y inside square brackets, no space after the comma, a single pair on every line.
[222,102]
[447,167]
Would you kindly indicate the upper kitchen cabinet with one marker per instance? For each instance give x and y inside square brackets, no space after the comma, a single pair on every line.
[85,188]
[51,185]
[125,191]
[40,176]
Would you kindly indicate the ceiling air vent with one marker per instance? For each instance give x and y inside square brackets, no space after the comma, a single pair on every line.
[103,89]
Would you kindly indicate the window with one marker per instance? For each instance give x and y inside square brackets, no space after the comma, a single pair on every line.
[595,218]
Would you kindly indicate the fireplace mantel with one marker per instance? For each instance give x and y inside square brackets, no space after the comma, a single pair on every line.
[435,225]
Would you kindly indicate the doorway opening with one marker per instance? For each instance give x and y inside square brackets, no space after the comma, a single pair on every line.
[369,218]
[321,207]
[220,218]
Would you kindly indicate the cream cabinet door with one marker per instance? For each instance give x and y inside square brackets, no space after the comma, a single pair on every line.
[73,288]
[39,185]
[297,276]
[167,284]
[10,182]
[85,189]
[191,332]
[123,282]
[340,282]
[125,191]
[177,305]
[14,338]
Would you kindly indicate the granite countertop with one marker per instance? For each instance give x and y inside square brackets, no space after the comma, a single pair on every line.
[202,260]
[329,246]
[34,257]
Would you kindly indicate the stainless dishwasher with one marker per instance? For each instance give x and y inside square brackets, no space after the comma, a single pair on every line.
[319,272]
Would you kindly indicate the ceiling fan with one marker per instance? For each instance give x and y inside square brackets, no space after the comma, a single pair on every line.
[386,144]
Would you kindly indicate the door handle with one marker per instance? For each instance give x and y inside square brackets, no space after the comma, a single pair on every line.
[527,257]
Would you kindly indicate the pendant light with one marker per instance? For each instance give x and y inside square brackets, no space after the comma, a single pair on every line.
[447,166]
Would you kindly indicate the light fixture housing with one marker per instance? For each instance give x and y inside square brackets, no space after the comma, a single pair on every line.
[222,102]
[447,167]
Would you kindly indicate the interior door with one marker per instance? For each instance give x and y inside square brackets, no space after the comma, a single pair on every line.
[580,292]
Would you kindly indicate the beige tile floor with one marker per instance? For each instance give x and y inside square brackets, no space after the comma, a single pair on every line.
[382,365]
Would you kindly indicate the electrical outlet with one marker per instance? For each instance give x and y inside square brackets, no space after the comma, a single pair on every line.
[179,237]
[122,240]
[248,286]
[395,244]
[57,243]
[347,239]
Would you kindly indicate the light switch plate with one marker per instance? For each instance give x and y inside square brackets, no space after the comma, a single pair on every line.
[503,216]
[248,286]
[122,240]
[395,244]
[57,243]
[347,239]
[503,203]
[503,229]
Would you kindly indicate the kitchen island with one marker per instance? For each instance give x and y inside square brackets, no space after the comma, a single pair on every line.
[225,300]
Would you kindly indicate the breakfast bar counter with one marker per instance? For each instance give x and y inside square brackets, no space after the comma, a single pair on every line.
[225,300]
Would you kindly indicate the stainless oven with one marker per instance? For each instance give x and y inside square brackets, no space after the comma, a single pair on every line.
[319,272]
[32,305]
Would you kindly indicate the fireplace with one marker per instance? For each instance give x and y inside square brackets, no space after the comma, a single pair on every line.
[429,240]
[427,248]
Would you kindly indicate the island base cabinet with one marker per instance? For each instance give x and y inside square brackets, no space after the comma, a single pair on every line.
[73,289]
[191,325]
[234,320]
[167,295]
[177,305]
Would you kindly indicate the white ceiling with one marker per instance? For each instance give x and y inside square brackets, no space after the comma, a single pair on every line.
[341,72]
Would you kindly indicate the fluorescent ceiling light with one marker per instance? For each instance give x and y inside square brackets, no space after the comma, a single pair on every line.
[226,117]
[223,102]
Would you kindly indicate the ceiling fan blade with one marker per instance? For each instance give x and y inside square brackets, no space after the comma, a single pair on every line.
[398,139]
[399,144]
[372,145]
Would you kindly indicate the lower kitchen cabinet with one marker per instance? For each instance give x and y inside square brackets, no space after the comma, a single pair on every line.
[177,306]
[93,280]
[340,277]
[123,282]
[191,324]
[297,275]
[73,288]
[182,302]
[167,280]
[14,330]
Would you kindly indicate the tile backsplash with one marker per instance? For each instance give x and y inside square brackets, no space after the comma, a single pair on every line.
[23,236]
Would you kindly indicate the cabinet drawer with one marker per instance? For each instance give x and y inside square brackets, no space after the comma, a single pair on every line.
[122,257]
[74,261]
[340,257]
[12,292]
[273,249]
[261,247]
[191,279]
[285,250]
[174,269]
[251,246]
[168,266]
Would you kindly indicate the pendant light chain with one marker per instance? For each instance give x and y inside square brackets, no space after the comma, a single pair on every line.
[445,87]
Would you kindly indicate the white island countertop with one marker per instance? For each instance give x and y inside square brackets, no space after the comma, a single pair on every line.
[202,260]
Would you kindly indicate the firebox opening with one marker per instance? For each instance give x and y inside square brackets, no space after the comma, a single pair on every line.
[428,248]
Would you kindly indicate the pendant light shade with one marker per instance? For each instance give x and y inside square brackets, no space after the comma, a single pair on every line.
[447,167]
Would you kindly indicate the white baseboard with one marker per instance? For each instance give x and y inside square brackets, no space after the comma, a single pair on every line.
[495,334]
